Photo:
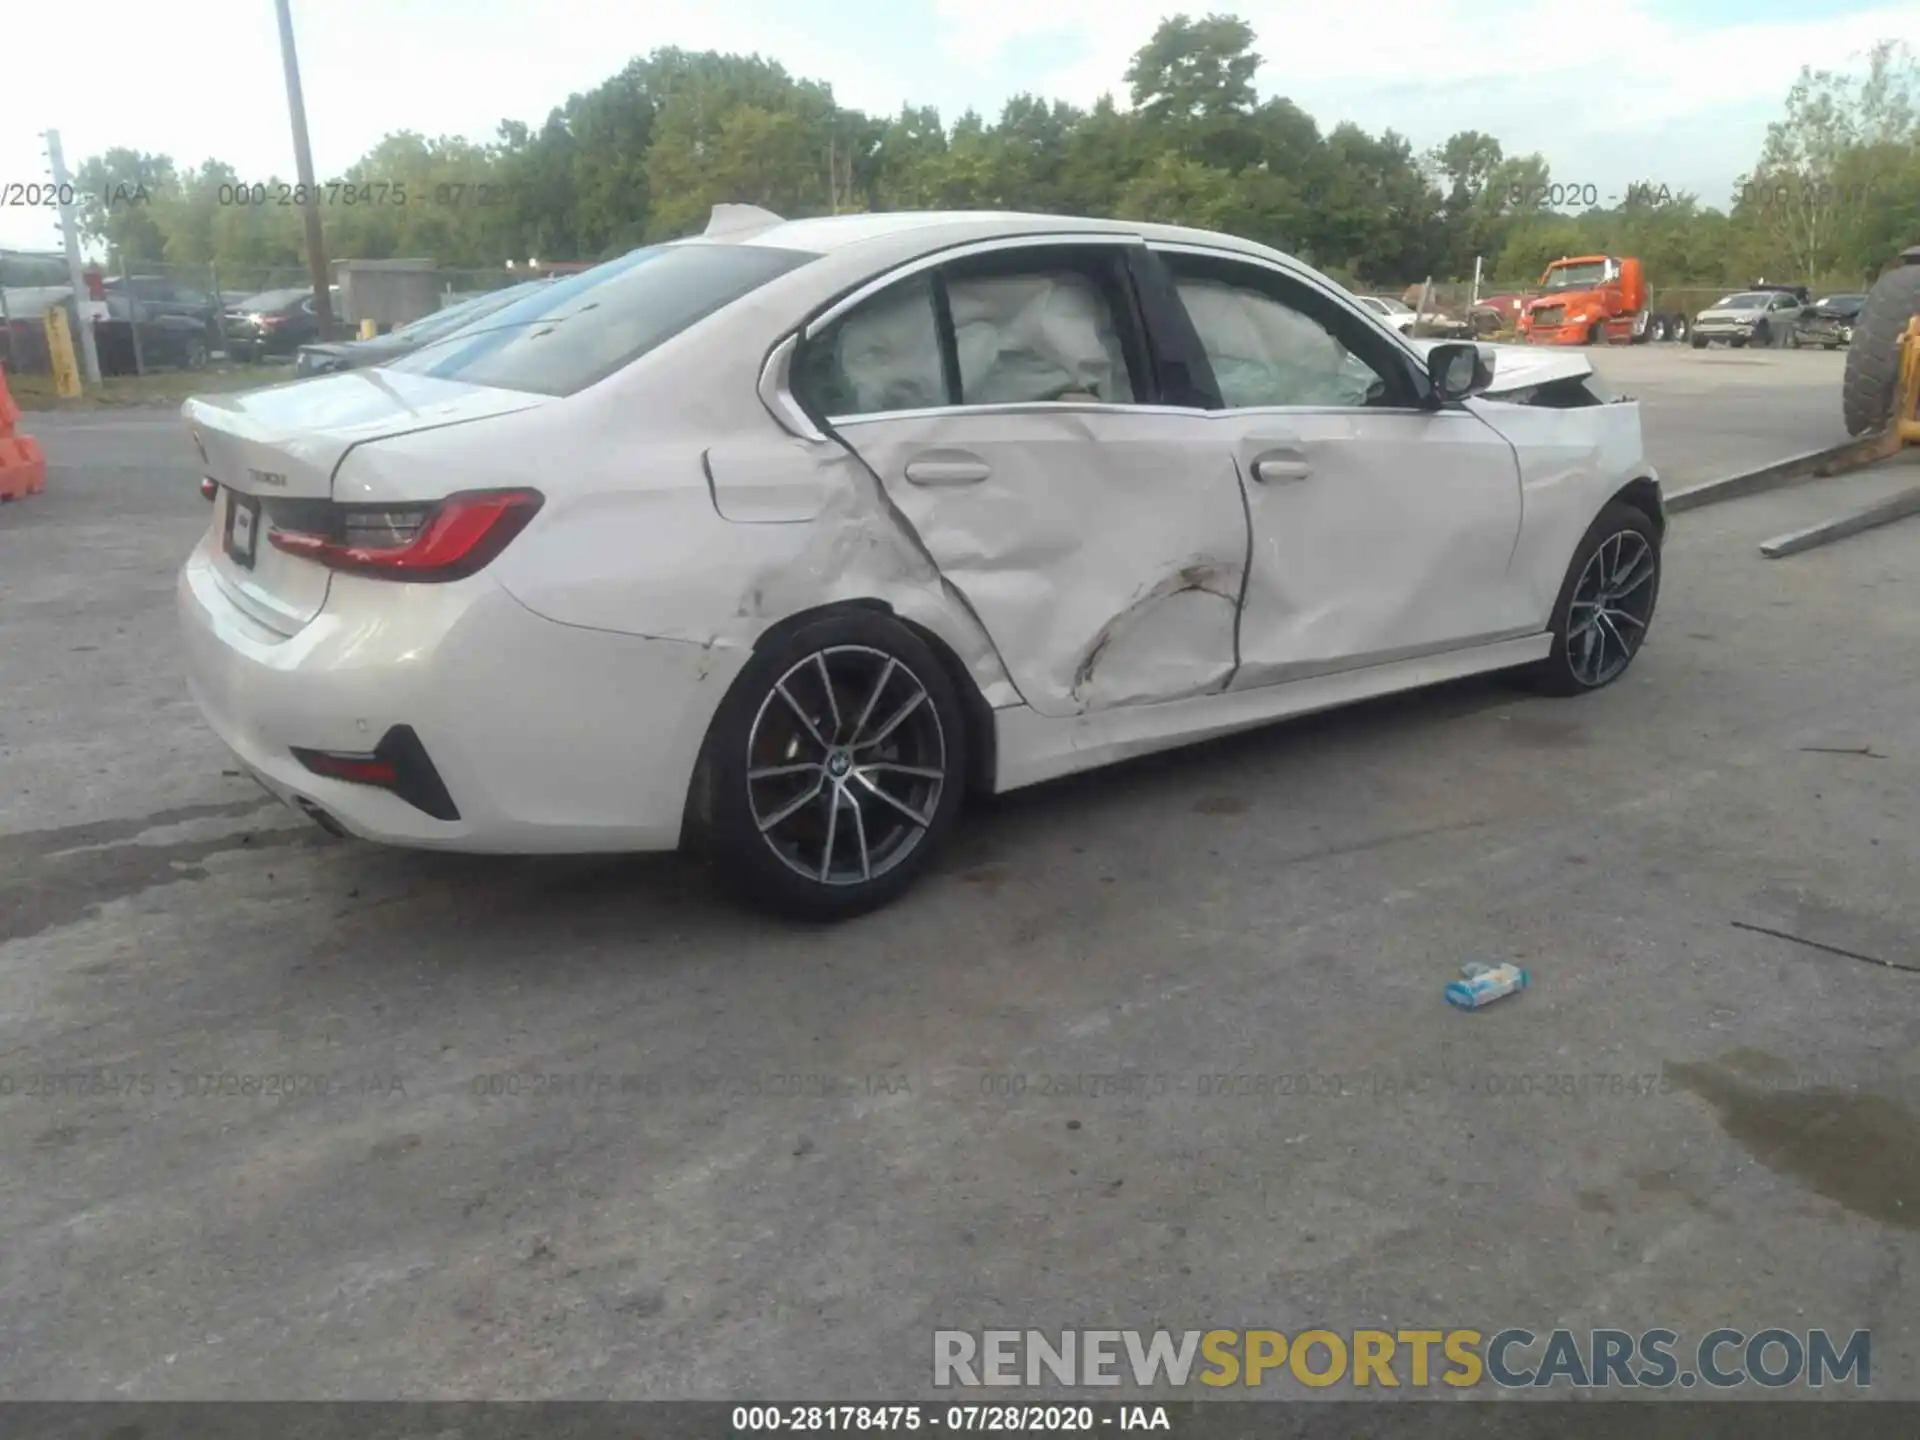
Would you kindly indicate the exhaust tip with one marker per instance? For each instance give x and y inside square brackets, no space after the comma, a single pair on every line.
[320,817]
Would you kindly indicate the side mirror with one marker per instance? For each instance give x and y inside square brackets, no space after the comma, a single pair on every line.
[1456,370]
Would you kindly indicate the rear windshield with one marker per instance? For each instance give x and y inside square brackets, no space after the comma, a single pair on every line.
[461,312]
[576,331]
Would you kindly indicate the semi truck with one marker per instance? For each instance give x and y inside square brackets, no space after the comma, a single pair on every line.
[1596,300]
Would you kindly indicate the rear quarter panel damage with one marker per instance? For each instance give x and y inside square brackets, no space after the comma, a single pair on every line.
[660,560]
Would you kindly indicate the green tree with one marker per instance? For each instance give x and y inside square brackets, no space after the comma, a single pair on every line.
[122,187]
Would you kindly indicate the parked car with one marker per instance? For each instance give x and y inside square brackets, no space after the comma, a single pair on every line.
[1751,317]
[170,340]
[320,359]
[1828,322]
[1403,316]
[156,296]
[1396,313]
[275,322]
[777,542]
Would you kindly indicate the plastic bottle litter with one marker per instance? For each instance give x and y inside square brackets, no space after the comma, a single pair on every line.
[1484,984]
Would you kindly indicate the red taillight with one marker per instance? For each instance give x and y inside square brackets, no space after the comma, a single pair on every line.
[452,539]
[209,487]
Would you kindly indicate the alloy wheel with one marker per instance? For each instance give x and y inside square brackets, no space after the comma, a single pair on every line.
[846,762]
[1612,603]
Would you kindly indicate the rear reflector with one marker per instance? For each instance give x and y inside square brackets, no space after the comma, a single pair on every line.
[445,541]
[209,487]
[398,764]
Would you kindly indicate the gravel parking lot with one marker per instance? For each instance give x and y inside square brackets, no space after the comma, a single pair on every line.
[504,1128]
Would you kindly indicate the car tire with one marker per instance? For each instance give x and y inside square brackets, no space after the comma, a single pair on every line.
[1793,339]
[1596,334]
[1699,342]
[1595,641]
[800,814]
[1763,336]
[1873,357]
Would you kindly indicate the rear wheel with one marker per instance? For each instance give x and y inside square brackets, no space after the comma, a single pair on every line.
[834,768]
[1605,604]
[1873,355]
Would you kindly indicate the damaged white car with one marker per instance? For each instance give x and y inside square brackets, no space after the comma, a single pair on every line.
[783,538]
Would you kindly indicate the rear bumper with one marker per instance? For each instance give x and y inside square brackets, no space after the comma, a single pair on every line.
[549,738]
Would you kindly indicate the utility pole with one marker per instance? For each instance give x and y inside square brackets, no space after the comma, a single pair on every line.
[76,274]
[303,166]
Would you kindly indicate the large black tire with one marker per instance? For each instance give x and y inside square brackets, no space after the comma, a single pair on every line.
[1763,336]
[1873,359]
[1699,342]
[1570,668]
[771,836]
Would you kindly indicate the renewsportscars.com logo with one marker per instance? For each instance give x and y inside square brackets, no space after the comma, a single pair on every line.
[1512,1359]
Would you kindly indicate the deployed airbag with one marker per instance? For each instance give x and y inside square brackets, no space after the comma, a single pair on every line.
[1266,353]
[1036,337]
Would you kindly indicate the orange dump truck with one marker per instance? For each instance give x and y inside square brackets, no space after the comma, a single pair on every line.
[1596,300]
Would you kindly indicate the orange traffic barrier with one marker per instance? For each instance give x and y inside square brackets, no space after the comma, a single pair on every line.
[23,465]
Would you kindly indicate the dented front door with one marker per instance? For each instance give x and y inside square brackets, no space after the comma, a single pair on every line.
[1102,547]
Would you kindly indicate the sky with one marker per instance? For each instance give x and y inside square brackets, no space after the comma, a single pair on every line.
[1673,93]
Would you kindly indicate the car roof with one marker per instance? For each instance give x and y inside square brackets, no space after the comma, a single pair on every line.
[904,233]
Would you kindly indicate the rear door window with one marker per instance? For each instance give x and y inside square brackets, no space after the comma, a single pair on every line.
[1038,325]
[1035,327]
[579,330]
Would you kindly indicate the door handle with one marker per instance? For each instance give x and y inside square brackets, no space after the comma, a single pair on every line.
[954,471]
[1279,469]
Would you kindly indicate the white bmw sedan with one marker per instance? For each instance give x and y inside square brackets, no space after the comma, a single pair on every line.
[783,538]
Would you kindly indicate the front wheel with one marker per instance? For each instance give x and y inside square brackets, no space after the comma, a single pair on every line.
[835,767]
[1699,342]
[1605,605]
[1762,336]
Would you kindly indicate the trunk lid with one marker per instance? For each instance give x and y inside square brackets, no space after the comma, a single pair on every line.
[273,453]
